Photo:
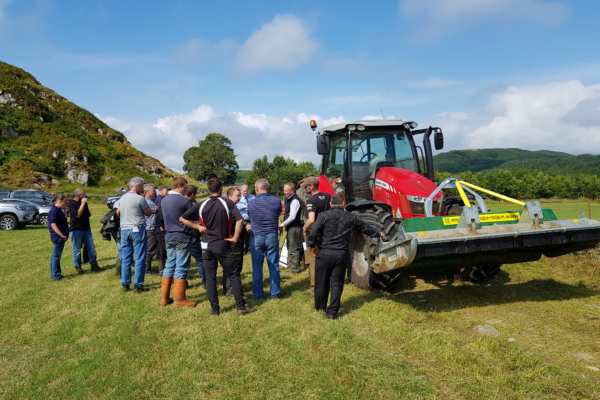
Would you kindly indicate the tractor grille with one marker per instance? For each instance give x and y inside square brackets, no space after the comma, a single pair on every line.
[419,208]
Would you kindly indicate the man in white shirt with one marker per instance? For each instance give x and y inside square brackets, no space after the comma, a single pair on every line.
[292,224]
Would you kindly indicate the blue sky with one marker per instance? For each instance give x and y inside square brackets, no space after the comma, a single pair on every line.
[490,73]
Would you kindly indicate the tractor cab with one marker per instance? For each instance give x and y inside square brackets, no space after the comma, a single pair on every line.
[378,161]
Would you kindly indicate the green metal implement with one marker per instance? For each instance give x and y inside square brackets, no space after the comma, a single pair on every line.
[482,239]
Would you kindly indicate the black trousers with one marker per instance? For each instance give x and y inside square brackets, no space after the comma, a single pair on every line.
[152,244]
[161,248]
[245,238]
[238,258]
[330,272]
[224,254]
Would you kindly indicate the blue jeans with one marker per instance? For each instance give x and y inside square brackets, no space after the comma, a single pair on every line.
[178,259]
[85,237]
[197,254]
[261,246]
[55,272]
[133,243]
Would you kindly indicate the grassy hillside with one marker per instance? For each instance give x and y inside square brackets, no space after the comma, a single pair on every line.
[551,162]
[45,141]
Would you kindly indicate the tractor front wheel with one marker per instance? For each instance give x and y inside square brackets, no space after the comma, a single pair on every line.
[362,274]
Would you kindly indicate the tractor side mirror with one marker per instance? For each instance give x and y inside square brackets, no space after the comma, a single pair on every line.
[438,140]
[323,145]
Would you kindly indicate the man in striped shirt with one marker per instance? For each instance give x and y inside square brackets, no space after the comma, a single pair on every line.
[264,211]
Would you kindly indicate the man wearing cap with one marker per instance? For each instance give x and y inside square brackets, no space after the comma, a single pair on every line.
[316,204]
[149,193]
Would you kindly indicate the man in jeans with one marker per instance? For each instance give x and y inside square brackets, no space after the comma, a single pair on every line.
[292,224]
[215,216]
[264,211]
[80,230]
[179,245]
[132,210]
[149,194]
[59,232]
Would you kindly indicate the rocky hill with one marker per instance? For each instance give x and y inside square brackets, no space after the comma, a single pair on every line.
[45,140]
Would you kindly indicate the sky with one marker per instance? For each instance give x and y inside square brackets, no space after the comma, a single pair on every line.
[490,73]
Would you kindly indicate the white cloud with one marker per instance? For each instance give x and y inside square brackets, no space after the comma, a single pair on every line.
[560,116]
[438,17]
[252,135]
[433,83]
[282,44]
[201,51]
[115,123]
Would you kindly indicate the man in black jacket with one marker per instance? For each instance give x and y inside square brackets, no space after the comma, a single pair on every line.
[334,227]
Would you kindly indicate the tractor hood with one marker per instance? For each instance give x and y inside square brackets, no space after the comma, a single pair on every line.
[407,182]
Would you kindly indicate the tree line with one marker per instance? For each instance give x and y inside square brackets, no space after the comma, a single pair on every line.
[526,184]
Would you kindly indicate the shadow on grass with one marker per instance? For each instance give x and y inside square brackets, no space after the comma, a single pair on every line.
[451,298]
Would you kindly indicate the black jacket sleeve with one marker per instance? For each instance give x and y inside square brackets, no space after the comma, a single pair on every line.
[362,227]
[316,231]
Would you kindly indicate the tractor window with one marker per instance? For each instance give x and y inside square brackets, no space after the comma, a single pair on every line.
[334,162]
[370,149]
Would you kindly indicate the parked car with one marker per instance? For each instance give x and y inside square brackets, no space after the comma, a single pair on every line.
[110,201]
[35,196]
[43,211]
[13,216]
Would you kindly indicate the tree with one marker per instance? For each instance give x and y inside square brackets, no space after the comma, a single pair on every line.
[213,157]
[285,168]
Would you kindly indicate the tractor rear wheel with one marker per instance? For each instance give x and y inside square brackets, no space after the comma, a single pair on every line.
[360,245]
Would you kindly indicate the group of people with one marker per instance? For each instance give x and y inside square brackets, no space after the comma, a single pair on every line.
[174,227]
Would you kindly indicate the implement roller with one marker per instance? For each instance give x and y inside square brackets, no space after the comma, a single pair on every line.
[388,181]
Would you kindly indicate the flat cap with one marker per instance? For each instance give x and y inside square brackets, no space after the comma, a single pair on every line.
[313,180]
[163,187]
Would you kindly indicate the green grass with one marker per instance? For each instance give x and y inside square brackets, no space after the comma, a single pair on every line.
[85,338]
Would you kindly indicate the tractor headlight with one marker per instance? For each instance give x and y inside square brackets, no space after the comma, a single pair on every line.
[352,127]
[361,127]
[414,125]
[416,198]
[406,126]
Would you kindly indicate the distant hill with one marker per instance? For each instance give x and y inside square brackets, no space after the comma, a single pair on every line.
[46,140]
[484,160]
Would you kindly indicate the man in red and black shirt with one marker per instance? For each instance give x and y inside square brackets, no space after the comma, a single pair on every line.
[216,214]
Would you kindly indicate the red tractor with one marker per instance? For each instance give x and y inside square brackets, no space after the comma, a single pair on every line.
[388,180]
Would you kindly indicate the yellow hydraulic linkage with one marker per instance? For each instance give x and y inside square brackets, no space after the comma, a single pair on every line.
[464,198]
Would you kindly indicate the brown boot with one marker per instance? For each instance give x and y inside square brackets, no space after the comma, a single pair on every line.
[118,267]
[179,295]
[166,291]
[79,270]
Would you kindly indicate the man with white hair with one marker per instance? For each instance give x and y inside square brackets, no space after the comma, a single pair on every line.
[264,211]
[133,209]
[242,205]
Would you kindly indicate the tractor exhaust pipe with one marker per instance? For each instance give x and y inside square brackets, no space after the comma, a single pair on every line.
[428,155]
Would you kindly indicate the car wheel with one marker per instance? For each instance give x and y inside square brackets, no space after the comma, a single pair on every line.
[8,223]
[43,219]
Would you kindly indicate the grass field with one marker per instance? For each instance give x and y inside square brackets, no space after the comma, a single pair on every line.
[85,338]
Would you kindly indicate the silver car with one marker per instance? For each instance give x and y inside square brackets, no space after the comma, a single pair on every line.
[41,217]
[13,216]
